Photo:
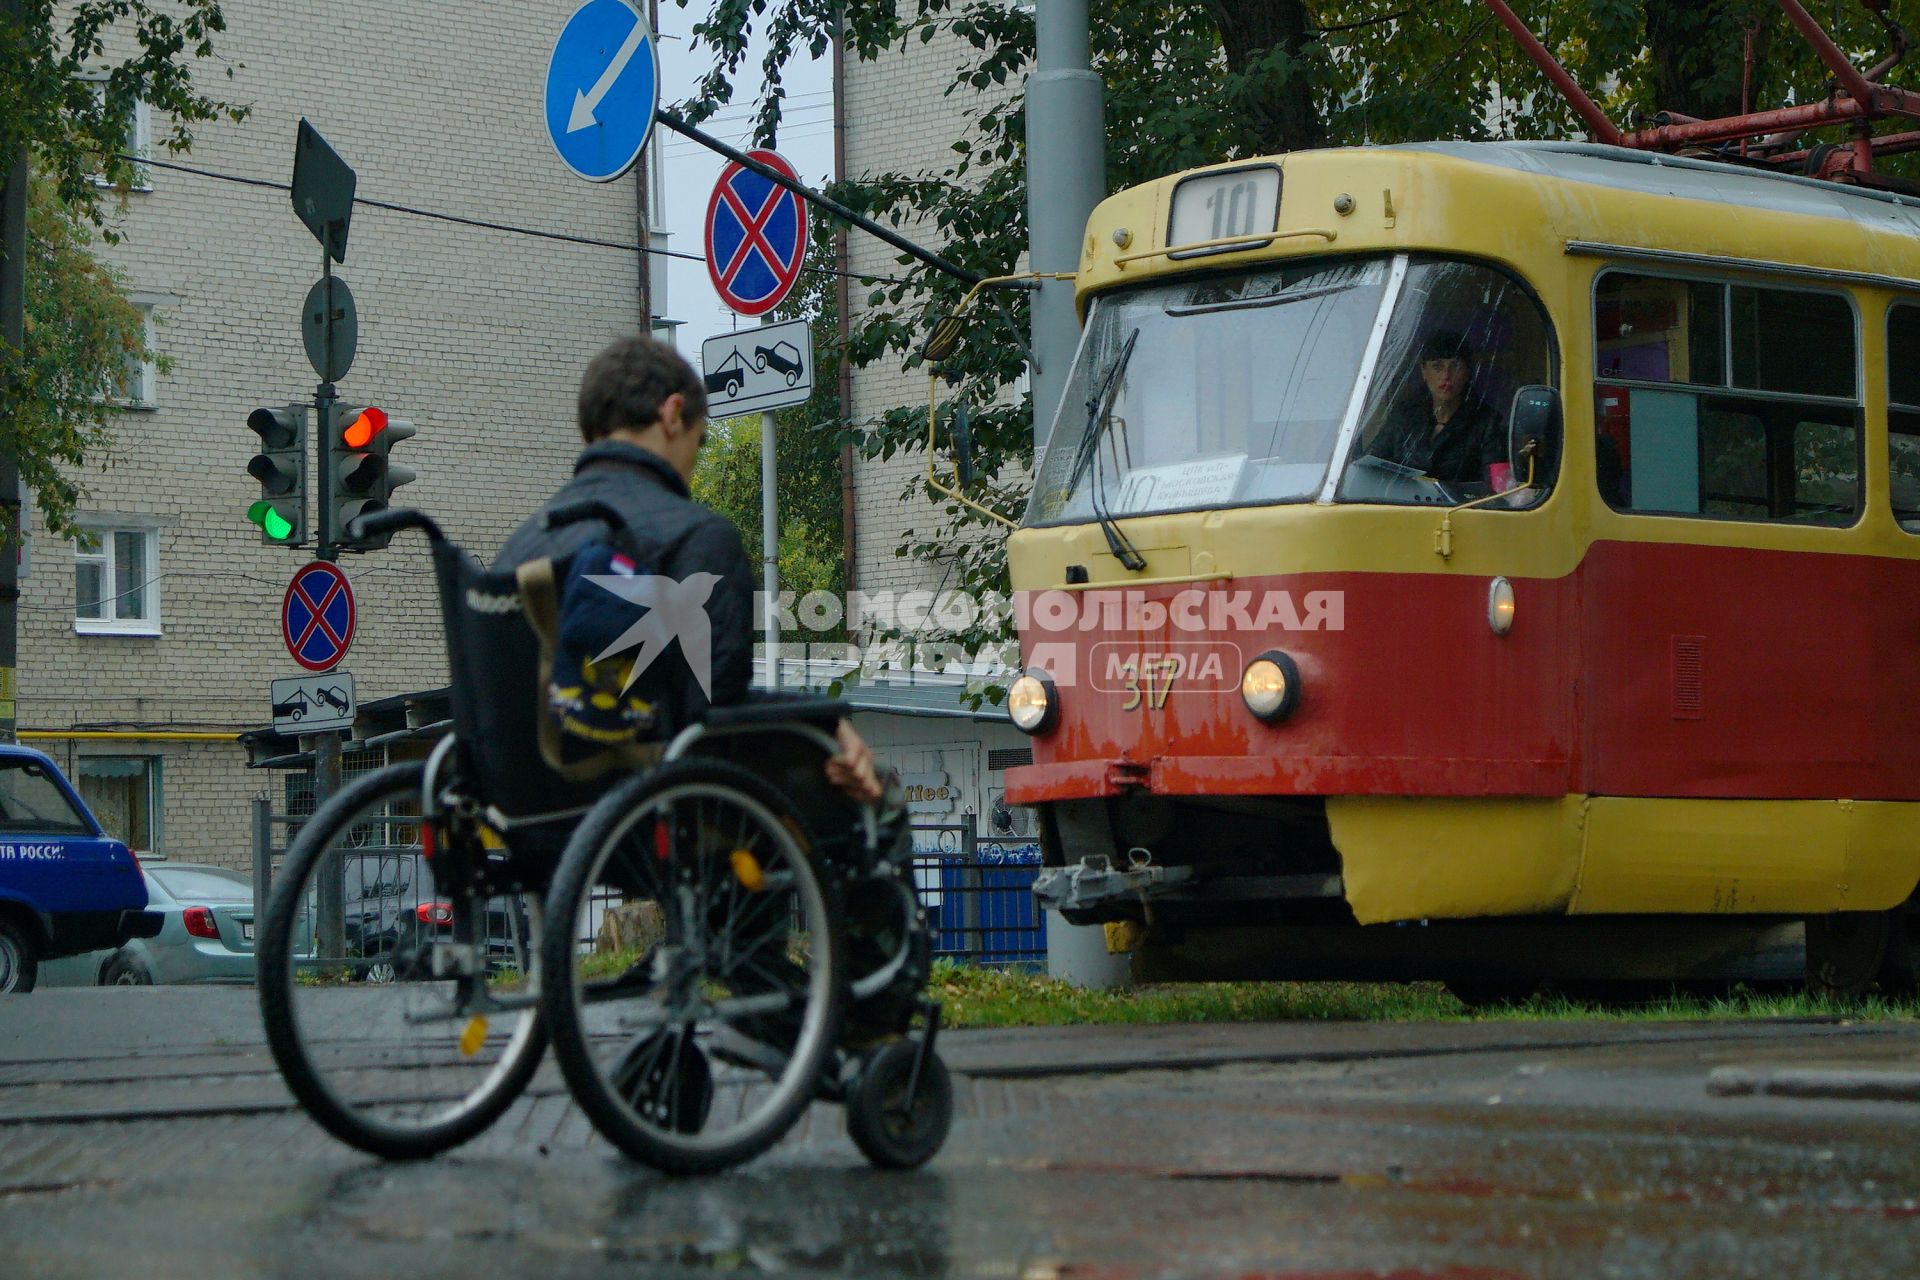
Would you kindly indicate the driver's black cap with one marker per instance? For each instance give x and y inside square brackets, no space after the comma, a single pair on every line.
[1446,344]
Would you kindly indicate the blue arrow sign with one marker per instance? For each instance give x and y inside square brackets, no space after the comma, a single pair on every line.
[603,86]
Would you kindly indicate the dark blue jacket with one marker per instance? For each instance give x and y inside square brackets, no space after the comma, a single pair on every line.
[674,537]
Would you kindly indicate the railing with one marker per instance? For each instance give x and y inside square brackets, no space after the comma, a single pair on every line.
[978,893]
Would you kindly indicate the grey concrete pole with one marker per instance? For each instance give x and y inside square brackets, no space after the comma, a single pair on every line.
[13,302]
[1066,177]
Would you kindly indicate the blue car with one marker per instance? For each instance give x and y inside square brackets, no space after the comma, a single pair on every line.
[65,885]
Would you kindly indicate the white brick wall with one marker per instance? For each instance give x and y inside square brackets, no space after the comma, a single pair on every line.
[899,119]
[477,336]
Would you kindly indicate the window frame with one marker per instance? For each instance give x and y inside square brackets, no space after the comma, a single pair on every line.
[1735,276]
[139,137]
[104,530]
[143,388]
[1912,302]
[155,787]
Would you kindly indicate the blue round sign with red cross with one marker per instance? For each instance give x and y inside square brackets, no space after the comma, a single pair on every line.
[756,236]
[316,618]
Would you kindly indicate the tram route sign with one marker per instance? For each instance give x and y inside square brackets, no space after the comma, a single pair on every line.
[317,616]
[603,88]
[309,704]
[758,370]
[756,236]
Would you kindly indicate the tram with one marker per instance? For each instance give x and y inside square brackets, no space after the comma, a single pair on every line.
[1613,700]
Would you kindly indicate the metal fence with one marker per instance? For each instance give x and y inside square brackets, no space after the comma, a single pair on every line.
[979,894]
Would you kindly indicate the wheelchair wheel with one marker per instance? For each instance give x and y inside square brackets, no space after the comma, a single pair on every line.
[696,970]
[891,1131]
[402,1009]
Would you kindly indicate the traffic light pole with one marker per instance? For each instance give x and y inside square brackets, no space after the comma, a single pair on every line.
[325,396]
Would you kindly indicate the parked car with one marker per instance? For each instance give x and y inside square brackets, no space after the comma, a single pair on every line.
[66,887]
[206,934]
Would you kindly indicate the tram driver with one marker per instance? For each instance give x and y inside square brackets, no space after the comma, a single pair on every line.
[1449,433]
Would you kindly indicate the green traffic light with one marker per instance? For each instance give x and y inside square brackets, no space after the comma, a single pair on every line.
[271,522]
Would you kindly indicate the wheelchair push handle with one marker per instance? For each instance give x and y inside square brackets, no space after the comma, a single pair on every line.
[393,520]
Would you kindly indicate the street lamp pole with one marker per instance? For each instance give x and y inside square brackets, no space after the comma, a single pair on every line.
[1066,178]
[13,328]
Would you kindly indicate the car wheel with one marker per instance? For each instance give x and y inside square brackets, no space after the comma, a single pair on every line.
[19,958]
[793,377]
[759,364]
[122,972]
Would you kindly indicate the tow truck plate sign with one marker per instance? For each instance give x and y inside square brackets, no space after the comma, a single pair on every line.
[309,704]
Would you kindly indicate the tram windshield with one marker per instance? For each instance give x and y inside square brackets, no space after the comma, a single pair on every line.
[1236,390]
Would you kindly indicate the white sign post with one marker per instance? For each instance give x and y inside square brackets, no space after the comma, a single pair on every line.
[760,370]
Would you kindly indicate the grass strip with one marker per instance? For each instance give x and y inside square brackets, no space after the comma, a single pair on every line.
[1017,997]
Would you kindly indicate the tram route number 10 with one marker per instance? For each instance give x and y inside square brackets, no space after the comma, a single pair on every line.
[1219,206]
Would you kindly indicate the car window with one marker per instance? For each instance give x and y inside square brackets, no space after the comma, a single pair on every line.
[32,803]
[201,884]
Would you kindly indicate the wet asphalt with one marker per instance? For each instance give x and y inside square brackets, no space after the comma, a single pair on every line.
[144,1133]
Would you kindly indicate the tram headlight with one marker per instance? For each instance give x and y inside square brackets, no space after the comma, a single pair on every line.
[1270,686]
[1032,703]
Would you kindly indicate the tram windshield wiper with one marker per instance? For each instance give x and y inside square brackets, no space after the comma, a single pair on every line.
[1099,415]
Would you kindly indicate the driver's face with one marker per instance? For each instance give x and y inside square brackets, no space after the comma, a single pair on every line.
[1446,378]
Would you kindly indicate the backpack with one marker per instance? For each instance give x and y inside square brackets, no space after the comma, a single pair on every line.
[596,713]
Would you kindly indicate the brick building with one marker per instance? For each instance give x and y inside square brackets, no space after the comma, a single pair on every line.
[897,117]
[165,622]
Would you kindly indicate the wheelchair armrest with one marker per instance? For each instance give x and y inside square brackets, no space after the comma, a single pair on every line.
[822,712]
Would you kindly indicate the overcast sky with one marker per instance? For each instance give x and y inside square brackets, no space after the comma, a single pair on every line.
[806,140]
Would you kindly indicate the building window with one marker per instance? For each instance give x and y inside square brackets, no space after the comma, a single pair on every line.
[124,794]
[114,588]
[135,388]
[136,140]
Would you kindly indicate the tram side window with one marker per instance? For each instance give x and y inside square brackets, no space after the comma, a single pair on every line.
[1903,413]
[1675,435]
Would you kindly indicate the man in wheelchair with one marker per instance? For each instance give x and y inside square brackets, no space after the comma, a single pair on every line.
[643,415]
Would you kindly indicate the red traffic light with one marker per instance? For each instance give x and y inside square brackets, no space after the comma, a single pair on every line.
[361,431]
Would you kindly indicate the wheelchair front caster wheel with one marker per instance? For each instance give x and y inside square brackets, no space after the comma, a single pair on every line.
[891,1130]
[667,1080]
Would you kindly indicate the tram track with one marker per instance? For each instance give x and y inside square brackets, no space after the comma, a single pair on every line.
[974,1061]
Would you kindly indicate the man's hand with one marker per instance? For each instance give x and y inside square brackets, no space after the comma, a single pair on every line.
[852,770]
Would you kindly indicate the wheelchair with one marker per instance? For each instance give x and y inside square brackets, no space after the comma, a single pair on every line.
[710,942]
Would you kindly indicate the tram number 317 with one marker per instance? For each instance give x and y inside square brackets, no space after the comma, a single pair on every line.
[1148,681]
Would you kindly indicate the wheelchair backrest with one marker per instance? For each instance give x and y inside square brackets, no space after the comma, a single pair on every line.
[493,661]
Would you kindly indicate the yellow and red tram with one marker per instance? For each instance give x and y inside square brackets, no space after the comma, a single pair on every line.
[1640,691]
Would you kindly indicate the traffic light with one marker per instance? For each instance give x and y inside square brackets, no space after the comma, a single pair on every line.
[362,478]
[281,469]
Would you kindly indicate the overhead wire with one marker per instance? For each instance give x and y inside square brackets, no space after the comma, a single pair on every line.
[485,224]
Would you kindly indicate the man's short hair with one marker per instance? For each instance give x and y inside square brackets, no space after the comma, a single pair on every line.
[1446,344]
[626,384]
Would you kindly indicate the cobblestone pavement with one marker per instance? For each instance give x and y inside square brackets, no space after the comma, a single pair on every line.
[144,1132]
